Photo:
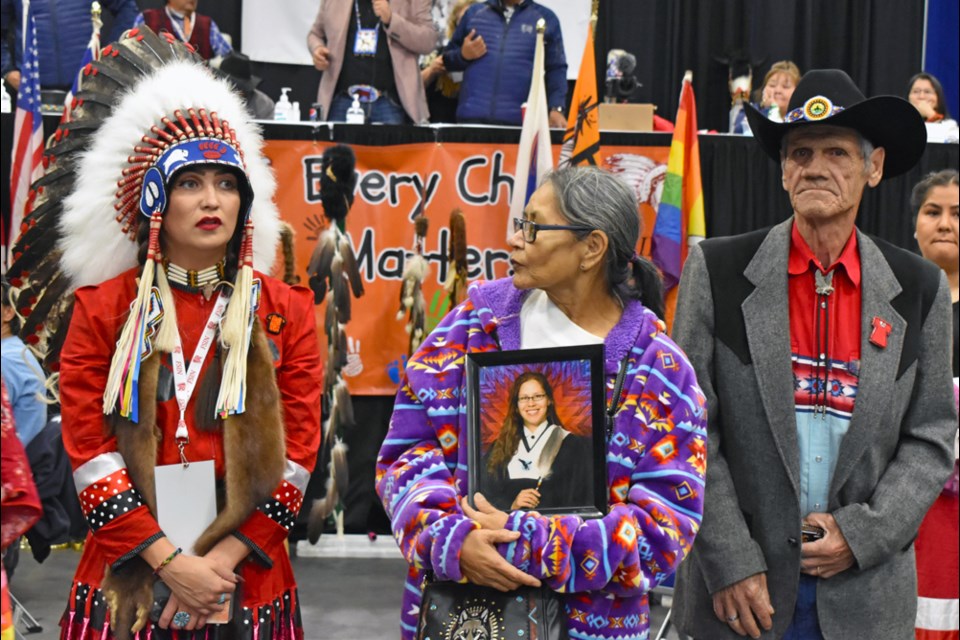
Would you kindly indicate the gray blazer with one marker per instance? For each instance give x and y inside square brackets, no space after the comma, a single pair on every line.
[892,464]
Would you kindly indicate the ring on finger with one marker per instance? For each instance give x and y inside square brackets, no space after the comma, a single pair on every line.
[181,619]
[733,618]
[223,598]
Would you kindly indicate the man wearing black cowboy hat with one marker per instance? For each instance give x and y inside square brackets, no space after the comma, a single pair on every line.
[824,357]
[236,67]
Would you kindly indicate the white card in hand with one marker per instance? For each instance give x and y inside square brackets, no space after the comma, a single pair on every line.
[186,501]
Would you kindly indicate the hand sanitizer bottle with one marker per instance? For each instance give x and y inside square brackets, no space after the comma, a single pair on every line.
[355,112]
[295,112]
[282,110]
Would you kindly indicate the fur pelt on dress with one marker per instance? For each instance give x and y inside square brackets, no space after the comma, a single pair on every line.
[254,452]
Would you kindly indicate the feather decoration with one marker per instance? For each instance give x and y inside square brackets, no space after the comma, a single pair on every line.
[73,237]
[338,179]
[338,462]
[350,268]
[330,324]
[320,511]
[416,327]
[334,276]
[337,482]
[344,404]
[411,292]
[318,269]
[411,287]
[456,283]
[289,259]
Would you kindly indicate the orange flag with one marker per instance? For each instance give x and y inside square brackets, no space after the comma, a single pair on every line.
[581,143]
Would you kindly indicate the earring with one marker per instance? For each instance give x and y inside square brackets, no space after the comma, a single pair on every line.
[914,235]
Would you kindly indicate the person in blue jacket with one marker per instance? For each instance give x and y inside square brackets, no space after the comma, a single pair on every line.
[63,32]
[493,46]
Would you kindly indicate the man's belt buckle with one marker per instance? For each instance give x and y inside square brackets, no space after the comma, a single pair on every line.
[363,92]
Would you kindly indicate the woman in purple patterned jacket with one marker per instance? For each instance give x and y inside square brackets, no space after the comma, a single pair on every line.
[576,280]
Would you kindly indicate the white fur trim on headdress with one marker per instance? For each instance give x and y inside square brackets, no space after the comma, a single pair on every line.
[95,248]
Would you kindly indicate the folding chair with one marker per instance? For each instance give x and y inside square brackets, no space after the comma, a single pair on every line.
[23,621]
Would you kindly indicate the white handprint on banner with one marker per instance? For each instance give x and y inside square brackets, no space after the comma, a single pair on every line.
[354,364]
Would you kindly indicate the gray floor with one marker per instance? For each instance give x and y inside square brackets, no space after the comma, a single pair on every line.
[349,598]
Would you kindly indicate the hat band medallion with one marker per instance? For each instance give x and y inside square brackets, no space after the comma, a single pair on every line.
[816,108]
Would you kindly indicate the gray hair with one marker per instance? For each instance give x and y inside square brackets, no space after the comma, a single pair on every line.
[598,199]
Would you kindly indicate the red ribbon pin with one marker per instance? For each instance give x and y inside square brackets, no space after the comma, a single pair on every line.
[881,329]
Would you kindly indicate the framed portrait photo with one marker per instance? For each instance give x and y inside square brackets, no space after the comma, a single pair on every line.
[536,430]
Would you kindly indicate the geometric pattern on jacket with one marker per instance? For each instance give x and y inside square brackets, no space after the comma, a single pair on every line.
[656,463]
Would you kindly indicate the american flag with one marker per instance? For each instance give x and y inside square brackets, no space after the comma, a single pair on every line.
[25,161]
[91,53]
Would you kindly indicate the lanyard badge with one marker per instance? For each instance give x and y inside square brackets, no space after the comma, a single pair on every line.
[365,44]
[185,377]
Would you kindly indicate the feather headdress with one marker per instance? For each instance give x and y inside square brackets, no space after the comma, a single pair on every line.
[147,108]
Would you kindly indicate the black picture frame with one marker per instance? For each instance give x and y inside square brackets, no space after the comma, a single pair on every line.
[565,462]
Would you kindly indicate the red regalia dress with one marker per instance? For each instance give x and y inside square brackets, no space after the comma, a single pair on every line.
[121,523]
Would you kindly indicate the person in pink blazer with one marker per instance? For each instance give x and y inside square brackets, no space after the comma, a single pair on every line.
[370,48]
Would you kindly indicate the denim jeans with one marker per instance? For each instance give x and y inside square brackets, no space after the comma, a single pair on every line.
[384,110]
[805,625]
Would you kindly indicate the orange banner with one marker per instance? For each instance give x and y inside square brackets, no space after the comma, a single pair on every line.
[395,183]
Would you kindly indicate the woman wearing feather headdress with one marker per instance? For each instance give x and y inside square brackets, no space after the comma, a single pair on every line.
[161,212]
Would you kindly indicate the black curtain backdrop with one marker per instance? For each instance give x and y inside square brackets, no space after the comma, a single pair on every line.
[878,43]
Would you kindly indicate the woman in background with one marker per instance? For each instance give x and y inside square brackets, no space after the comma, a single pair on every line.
[926,94]
[443,87]
[777,89]
[535,462]
[936,211]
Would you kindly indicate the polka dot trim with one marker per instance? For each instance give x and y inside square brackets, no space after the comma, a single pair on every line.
[104,489]
[288,495]
[113,508]
[279,513]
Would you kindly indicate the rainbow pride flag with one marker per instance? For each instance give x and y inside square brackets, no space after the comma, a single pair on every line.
[680,220]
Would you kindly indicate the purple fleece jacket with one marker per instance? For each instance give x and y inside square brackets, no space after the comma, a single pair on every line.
[656,460]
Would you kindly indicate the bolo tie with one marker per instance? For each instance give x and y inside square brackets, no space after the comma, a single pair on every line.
[824,287]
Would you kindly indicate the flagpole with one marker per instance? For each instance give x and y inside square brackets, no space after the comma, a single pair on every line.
[26,17]
[534,153]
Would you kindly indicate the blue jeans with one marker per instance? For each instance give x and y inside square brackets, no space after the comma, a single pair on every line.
[384,110]
[805,625]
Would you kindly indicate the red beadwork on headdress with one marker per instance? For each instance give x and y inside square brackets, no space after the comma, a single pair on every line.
[195,122]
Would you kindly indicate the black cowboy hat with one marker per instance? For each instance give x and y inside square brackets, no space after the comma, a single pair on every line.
[237,67]
[829,96]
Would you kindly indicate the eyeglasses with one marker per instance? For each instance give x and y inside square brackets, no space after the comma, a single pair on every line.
[534,398]
[530,228]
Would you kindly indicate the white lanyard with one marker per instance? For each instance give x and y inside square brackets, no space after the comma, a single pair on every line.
[175,20]
[184,378]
